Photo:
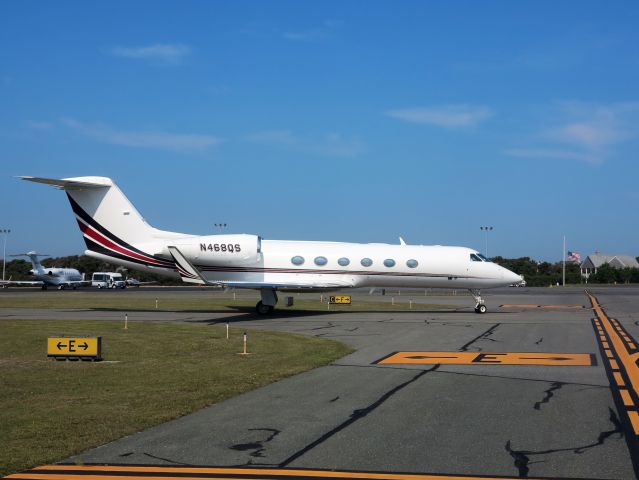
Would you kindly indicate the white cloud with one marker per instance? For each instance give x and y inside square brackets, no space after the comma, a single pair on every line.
[144,139]
[584,131]
[165,54]
[315,34]
[331,145]
[547,153]
[448,116]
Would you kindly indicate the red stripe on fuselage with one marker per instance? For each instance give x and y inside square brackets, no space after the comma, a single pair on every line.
[96,236]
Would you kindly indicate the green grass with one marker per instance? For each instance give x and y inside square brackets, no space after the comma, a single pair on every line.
[215,302]
[153,372]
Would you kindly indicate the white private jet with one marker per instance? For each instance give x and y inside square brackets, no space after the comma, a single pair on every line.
[115,232]
[60,278]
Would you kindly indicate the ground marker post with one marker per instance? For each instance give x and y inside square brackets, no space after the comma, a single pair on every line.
[410,304]
[227,330]
[126,321]
[156,303]
[245,337]
[392,300]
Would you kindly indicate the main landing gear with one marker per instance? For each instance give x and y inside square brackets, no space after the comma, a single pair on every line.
[268,302]
[480,307]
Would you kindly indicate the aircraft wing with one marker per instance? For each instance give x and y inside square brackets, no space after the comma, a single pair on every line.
[283,286]
[32,283]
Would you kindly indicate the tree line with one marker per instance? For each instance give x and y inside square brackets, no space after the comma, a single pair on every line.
[543,274]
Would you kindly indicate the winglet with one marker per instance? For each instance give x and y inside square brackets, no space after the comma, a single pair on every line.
[187,271]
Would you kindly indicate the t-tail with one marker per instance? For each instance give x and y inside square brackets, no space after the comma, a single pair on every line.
[112,227]
[35,263]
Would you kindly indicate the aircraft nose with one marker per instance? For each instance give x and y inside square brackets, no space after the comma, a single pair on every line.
[511,277]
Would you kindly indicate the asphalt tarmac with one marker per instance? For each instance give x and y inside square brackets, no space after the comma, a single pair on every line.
[533,388]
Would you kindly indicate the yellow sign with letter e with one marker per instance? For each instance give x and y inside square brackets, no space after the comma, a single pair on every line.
[340,299]
[74,348]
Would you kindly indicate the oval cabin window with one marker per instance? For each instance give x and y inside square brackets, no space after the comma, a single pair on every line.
[320,261]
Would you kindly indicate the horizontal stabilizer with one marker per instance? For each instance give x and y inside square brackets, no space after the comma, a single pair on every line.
[72,183]
[187,271]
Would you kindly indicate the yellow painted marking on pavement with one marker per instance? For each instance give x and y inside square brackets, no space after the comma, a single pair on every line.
[605,344]
[625,397]
[489,358]
[627,360]
[526,305]
[101,472]
[634,419]
[614,364]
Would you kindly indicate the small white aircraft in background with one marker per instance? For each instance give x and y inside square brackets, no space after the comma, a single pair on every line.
[134,282]
[60,278]
[115,232]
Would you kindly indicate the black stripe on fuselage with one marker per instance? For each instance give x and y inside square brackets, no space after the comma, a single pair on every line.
[77,209]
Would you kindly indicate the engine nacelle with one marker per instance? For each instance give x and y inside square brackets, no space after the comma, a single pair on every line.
[231,250]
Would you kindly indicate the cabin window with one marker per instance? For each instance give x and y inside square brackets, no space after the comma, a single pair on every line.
[475,258]
[320,261]
[389,262]
[343,261]
[366,262]
[297,260]
[411,263]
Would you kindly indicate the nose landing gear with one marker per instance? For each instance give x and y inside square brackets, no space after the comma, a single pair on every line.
[480,307]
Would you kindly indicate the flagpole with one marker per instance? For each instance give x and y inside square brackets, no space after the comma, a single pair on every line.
[564,257]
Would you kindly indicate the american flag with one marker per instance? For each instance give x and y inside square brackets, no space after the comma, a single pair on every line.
[573,257]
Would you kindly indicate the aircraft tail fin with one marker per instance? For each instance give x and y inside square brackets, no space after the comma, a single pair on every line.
[33,256]
[105,215]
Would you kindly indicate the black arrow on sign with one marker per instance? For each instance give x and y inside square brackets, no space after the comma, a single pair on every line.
[85,345]
[61,345]
[421,357]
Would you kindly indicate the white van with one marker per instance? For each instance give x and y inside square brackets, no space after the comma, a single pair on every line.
[108,280]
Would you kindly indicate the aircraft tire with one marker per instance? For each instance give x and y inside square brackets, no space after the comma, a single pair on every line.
[481,309]
[262,309]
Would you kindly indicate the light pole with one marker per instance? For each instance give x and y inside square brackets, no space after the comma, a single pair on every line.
[5,232]
[485,230]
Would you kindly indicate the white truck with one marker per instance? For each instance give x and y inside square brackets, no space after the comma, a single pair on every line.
[108,280]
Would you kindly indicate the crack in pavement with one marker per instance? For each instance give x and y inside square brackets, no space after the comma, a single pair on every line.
[539,341]
[163,459]
[355,416]
[329,325]
[483,336]
[522,457]
[257,446]
[549,394]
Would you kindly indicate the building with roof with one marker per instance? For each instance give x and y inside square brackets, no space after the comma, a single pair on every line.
[596,260]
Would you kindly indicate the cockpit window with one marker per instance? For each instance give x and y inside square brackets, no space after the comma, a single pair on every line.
[483,258]
[475,258]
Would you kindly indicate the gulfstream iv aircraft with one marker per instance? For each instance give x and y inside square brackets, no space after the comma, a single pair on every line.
[115,232]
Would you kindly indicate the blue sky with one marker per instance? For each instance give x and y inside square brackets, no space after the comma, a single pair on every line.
[333,120]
